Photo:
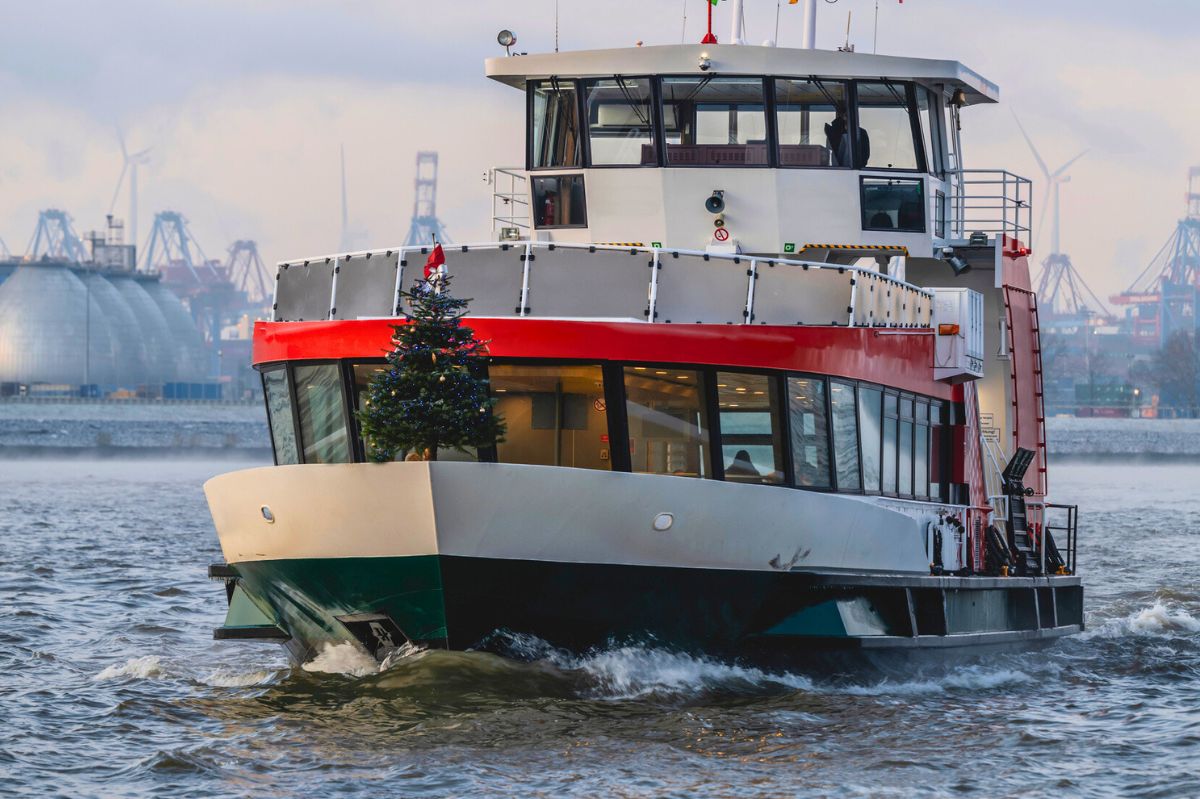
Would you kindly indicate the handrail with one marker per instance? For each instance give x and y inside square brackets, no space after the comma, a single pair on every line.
[984,192]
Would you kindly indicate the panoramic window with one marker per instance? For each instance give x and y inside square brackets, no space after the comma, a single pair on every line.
[558,201]
[905,467]
[809,431]
[893,204]
[363,372]
[714,121]
[620,122]
[322,414]
[751,434]
[891,422]
[845,436]
[556,415]
[926,114]
[870,428]
[668,421]
[279,415]
[886,122]
[921,450]
[554,125]
[935,451]
[811,119]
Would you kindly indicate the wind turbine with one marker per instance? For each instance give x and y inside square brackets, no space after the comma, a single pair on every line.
[1054,182]
[131,162]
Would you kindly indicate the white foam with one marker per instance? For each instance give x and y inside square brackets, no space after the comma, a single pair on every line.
[633,672]
[146,667]
[353,661]
[227,678]
[971,678]
[1157,620]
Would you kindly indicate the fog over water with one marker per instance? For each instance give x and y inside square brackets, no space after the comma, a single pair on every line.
[112,685]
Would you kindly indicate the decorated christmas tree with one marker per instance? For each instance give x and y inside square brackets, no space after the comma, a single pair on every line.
[431,394]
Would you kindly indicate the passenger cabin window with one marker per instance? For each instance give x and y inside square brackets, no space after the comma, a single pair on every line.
[715,121]
[620,122]
[870,429]
[555,415]
[668,421]
[845,436]
[885,116]
[808,423]
[937,476]
[279,415]
[553,125]
[322,413]
[810,116]
[363,373]
[905,468]
[558,201]
[893,204]
[751,428]
[921,450]
[891,438]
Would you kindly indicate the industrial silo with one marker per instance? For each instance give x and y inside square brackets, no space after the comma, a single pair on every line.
[159,341]
[191,356]
[130,349]
[53,330]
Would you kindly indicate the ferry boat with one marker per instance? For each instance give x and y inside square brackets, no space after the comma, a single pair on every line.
[772,388]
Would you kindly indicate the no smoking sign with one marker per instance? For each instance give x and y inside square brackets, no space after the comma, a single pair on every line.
[721,234]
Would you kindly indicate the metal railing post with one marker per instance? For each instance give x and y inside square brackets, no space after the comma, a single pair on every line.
[753,272]
[399,282]
[274,294]
[653,299]
[333,288]
[853,296]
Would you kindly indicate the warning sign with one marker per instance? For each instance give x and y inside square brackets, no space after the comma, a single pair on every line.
[721,234]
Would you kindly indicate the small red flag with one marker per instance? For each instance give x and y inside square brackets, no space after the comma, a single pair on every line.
[436,259]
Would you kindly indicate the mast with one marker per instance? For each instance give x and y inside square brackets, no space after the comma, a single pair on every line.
[808,34]
[737,33]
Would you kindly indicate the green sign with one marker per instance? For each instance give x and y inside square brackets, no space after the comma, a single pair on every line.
[789,246]
[656,245]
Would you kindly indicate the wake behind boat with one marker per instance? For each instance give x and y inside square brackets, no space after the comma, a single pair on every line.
[768,356]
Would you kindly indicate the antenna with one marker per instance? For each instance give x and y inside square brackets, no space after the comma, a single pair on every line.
[556,26]
[808,33]
[875,37]
[683,32]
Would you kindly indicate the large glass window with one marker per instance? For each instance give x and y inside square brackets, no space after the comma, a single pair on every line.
[620,122]
[842,408]
[363,373]
[921,451]
[751,434]
[555,415]
[279,415]
[870,427]
[906,447]
[936,431]
[322,412]
[559,201]
[554,125]
[927,116]
[808,423]
[713,121]
[811,119]
[668,421]
[891,422]
[886,120]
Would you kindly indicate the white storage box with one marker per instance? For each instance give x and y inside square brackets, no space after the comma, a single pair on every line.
[958,333]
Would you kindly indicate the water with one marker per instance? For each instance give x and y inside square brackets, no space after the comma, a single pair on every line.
[110,684]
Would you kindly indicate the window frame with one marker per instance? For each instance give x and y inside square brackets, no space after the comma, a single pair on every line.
[914,127]
[656,117]
[347,412]
[559,172]
[912,177]
[768,88]
[579,111]
[851,99]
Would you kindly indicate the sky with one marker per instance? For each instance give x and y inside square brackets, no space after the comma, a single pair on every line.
[245,104]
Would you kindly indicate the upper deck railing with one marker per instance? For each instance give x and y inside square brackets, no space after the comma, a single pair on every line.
[582,281]
[995,202]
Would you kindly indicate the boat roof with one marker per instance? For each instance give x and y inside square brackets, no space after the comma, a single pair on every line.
[739,59]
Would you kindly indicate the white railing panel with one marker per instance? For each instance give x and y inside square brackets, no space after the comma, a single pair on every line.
[801,294]
[589,282]
[365,285]
[304,290]
[700,289]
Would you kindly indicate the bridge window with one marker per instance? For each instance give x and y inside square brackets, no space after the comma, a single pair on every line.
[279,415]
[713,121]
[668,421]
[893,204]
[750,428]
[887,118]
[810,116]
[620,122]
[808,423]
[553,124]
[845,436]
[556,415]
[321,409]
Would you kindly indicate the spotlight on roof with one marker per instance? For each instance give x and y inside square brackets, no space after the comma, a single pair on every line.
[507,39]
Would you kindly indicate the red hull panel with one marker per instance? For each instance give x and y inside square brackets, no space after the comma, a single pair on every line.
[900,359]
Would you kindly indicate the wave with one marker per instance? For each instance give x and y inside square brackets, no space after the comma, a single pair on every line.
[1162,619]
[968,678]
[146,667]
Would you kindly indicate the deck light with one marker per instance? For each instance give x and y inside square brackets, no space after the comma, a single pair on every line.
[507,39]
[705,64]
[957,262]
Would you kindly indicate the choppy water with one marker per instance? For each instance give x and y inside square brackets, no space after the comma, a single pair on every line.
[111,686]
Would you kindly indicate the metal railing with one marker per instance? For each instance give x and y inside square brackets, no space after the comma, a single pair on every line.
[555,280]
[510,198]
[995,202]
[1068,518]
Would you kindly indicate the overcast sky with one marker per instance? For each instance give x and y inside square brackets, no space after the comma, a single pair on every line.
[245,103]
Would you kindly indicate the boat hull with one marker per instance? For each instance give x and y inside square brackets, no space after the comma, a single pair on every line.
[447,554]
